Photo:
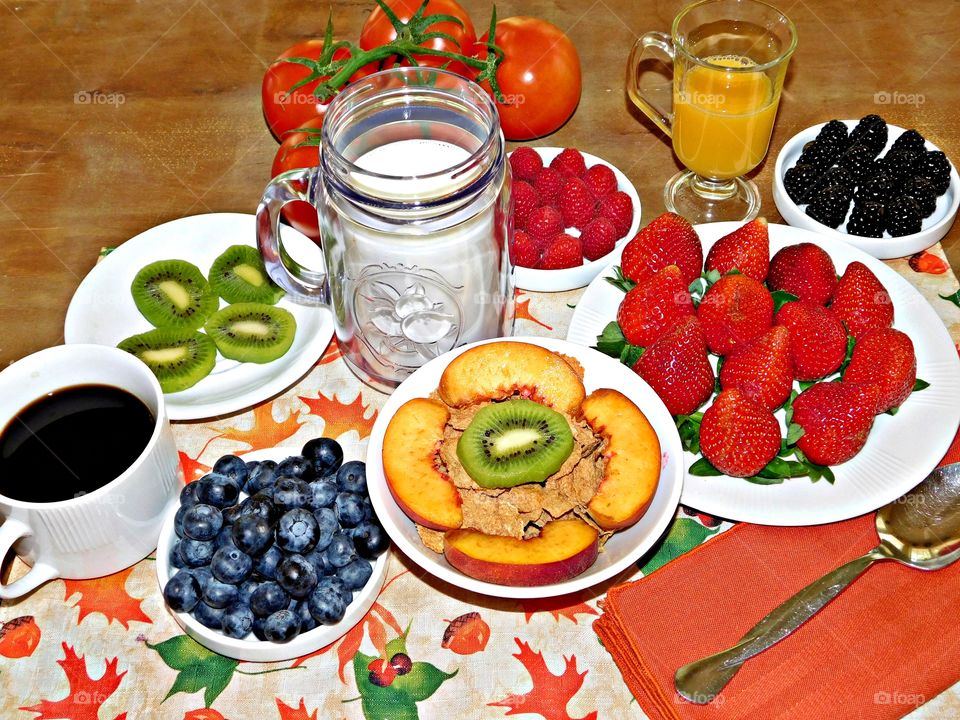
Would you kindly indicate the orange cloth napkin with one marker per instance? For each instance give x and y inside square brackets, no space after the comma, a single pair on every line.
[887,644]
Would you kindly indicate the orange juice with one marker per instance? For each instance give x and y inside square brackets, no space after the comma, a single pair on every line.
[723,118]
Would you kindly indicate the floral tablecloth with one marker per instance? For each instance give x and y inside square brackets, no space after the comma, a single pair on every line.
[107,648]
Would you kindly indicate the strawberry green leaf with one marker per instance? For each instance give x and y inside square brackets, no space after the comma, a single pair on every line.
[794,433]
[703,468]
[760,479]
[788,406]
[630,354]
[851,342]
[684,535]
[620,281]
[781,298]
[611,341]
[688,426]
[806,384]
[711,276]
[734,271]
[920,385]
[893,410]
[953,297]
[696,289]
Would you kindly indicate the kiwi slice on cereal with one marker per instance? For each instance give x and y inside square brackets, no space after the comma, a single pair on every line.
[514,442]
[238,275]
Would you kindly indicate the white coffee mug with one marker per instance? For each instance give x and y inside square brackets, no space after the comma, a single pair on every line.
[114,526]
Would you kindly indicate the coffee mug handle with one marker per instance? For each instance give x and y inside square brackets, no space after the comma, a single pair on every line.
[656,102]
[10,532]
[305,286]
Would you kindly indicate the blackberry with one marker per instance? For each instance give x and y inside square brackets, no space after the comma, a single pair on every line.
[935,167]
[866,220]
[820,156]
[834,134]
[899,164]
[833,176]
[910,140]
[876,189]
[858,159]
[902,217]
[797,180]
[872,132]
[922,192]
[830,205]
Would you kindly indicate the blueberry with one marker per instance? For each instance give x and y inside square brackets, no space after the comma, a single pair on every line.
[174,558]
[290,493]
[204,577]
[182,592]
[355,574]
[188,495]
[302,609]
[349,509]
[260,477]
[258,623]
[245,590]
[297,466]
[230,514]
[297,531]
[217,490]
[332,582]
[261,505]
[195,553]
[321,494]
[178,519]
[326,605]
[325,454]
[370,540]
[297,575]
[237,621]
[268,598]
[352,477]
[224,537]
[252,534]
[340,551]
[220,595]
[210,617]
[368,512]
[231,565]
[266,564]
[252,465]
[202,522]
[318,558]
[233,467]
[282,626]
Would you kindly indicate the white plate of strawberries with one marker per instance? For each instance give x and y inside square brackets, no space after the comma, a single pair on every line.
[571,213]
[810,382]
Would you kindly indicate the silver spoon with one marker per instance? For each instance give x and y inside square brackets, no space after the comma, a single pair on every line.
[920,530]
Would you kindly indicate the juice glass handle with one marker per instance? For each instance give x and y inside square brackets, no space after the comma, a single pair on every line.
[10,532]
[305,286]
[655,102]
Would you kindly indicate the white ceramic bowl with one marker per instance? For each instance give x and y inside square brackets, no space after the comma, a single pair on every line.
[577,277]
[621,551]
[932,229]
[249,648]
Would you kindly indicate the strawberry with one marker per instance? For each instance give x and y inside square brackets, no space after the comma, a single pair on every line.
[569,162]
[618,207]
[746,249]
[736,309]
[598,238]
[543,224]
[525,250]
[861,301]
[738,435]
[526,163]
[563,251]
[836,418]
[525,201]
[804,270]
[677,368]
[601,180]
[654,307]
[884,357]
[577,204]
[668,240]
[818,342]
[549,183]
[762,370]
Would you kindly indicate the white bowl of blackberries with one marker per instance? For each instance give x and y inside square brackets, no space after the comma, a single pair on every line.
[271,556]
[884,189]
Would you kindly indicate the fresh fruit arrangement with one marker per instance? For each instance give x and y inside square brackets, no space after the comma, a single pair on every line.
[891,194]
[564,213]
[513,472]
[274,549]
[175,297]
[747,335]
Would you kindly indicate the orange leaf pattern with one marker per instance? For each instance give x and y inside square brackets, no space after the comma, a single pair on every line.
[331,353]
[523,313]
[203,714]
[108,596]
[342,417]
[925,262]
[568,606]
[192,468]
[266,432]
[86,695]
[294,713]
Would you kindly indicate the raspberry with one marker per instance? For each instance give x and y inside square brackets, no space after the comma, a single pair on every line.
[872,132]
[910,140]
[819,155]
[935,167]
[899,164]
[830,206]
[618,207]
[525,251]
[922,192]
[866,220]
[549,183]
[798,180]
[903,217]
[876,189]
[834,134]
[598,238]
[577,204]
[543,224]
[526,163]
[563,252]
[525,201]
[858,160]
[569,162]
[601,181]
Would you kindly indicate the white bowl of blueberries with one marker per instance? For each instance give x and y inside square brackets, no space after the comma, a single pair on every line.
[271,556]
[881,188]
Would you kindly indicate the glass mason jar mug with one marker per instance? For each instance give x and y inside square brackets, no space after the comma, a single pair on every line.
[412,193]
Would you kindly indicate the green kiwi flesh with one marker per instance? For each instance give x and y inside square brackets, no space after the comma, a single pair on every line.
[179,358]
[514,442]
[238,275]
[173,293]
[252,332]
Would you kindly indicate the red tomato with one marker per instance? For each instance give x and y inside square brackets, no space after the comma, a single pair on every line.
[284,112]
[301,215]
[539,77]
[378,31]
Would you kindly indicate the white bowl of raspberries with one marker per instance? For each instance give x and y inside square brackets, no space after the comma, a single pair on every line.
[571,213]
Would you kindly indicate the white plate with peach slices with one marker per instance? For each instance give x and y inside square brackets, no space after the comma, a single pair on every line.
[524,467]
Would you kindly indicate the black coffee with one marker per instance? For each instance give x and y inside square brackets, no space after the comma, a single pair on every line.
[72,442]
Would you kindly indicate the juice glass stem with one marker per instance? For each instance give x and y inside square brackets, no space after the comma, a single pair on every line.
[705,199]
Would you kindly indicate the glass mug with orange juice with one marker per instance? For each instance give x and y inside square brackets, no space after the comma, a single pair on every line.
[729,60]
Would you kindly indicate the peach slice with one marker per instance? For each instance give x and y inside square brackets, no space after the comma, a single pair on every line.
[633,459]
[562,550]
[497,370]
[410,447]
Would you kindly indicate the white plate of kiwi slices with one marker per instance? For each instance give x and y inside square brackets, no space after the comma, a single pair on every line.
[191,299]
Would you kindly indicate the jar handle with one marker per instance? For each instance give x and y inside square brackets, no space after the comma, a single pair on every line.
[659,109]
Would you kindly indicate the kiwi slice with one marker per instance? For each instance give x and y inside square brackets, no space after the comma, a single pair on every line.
[252,332]
[239,275]
[179,358]
[173,293]
[514,442]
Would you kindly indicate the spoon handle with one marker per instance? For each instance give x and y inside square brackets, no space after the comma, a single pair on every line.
[701,681]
